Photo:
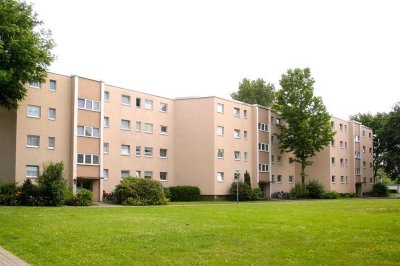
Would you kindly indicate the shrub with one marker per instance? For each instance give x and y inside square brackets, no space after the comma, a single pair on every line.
[184,193]
[330,195]
[138,191]
[167,193]
[9,194]
[30,194]
[280,195]
[298,192]
[83,198]
[245,191]
[258,193]
[247,178]
[315,189]
[380,190]
[52,184]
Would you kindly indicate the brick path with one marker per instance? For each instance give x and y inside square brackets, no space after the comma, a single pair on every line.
[8,259]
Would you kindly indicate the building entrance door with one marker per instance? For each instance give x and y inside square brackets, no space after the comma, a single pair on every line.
[358,190]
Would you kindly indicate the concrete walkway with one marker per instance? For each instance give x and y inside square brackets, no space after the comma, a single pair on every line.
[8,259]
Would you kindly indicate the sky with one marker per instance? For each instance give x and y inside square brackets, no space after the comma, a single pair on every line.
[180,48]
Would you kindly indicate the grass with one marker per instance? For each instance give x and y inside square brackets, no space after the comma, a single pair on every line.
[326,232]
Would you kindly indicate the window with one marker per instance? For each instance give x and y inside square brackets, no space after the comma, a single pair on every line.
[138,126]
[245,134]
[148,128]
[138,150]
[279,179]
[88,131]
[341,127]
[245,156]
[263,147]
[272,120]
[163,176]
[364,164]
[52,85]
[52,114]
[220,153]
[126,100]
[237,155]
[220,176]
[33,141]
[291,161]
[364,149]
[272,139]
[163,153]
[138,102]
[346,178]
[236,133]
[245,113]
[341,162]
[148,174]
[272,178]
[163,107]
[138,173]
[358,171]
[333,143]
[125,149]
[125,124]
[333,179]
[32,171]
[278,121]
[346,162]
[35,85]
[105,147]
[105,174]
[345,145]
[370,150]
[220,131]
[370,135]
[125,173]
[370,180]
[220,108]
[357,155]
[236,112]
[106,96]
[279,159]
[106,121]
[357,138]
[371,165]
[363,133]
[263,168]
[51,143]
[341,144]
[87,159]
[148,151]
[163,130]
[33,111]
[341,179]
[148,104]
[365,180]
[345,128]
[272,159]
[290,179]
[90,105]
[263,127]
[333,160]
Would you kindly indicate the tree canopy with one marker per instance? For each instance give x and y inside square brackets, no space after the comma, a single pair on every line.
[255,92]
[306,127]
[391,157]
[25,51]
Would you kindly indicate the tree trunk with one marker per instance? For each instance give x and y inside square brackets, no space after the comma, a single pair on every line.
[303,171]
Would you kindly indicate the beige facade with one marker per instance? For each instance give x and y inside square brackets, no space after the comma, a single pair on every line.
[103,133]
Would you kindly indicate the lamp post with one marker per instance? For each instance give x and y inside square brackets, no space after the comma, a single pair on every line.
[237,177]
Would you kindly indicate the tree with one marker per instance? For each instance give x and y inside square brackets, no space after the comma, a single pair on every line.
[25,51]
[255,92]
[377,124]
[52,184]
[306,127]
[391,131]
[247,178]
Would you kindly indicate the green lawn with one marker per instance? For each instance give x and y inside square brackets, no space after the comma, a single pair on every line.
[326,232]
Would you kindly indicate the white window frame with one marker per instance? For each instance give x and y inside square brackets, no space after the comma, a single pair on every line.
[140,102]
[106,96]
[52,81]
[263,167]
[125,124]
[263,147]
[106,174]
[125,150]
[245,156]
[148,104]
[88,132]
[148,152]
[148,174]
[138,126]
[245,134]
[106,121]
[220,108]
[290,179]
[162,106]
[85,156]
[148,126]
[138,173]
[219,152]
[236,133]
[138,151]
[263,127]
[166,176]
[220,128]
[125,173]
[50,111]
[106,147]
[125,100]
[29,143]
[244,113]
[28,173]
[35,85]
[220,177]
[51,140]
[235,153]
[279,179]
[89,105]
[36,107]
[236,112]
[333,179]
[166,153]
[163,132]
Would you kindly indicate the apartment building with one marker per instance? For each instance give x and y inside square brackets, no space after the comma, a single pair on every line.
[104,133]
